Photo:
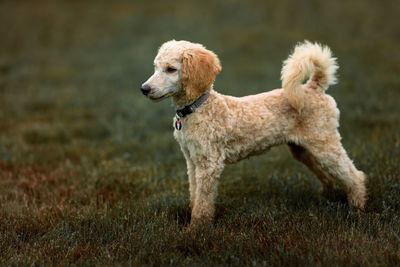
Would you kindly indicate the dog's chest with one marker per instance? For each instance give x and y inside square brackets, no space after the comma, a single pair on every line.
[189,131]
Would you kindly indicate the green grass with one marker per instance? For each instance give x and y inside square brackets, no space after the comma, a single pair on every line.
[90,173]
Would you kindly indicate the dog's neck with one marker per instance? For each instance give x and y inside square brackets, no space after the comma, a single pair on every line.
[180,100]
[189,109]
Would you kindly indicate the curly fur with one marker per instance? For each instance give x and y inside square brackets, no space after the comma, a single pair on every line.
[226,129]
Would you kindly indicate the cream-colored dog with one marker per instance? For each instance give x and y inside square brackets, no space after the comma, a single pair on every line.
[214,129]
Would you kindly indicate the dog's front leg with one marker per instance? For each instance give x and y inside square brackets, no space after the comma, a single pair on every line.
[207,173]
[191,175]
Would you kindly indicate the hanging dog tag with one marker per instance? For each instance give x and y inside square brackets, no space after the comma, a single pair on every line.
[178,124]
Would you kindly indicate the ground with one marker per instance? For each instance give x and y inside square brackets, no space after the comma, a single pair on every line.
[90,172]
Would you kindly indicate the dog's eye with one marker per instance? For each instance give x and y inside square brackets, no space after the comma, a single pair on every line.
[171,70]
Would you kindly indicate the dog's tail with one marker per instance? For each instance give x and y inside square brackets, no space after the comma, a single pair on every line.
[308,59]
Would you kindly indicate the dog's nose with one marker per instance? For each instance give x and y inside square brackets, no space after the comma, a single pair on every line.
[145,89]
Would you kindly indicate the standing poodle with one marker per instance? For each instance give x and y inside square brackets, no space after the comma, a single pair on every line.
[214,129]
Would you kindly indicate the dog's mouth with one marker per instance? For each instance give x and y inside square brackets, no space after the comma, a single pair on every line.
[158,99]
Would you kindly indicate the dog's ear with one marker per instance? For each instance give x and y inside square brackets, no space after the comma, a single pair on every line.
[199,68]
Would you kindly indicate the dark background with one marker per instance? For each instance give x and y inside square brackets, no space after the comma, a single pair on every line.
[90,172]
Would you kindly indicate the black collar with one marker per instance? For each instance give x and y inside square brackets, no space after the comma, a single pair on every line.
[192,107]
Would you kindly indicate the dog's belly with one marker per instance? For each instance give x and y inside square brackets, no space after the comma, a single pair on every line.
[235,157]
[244,150]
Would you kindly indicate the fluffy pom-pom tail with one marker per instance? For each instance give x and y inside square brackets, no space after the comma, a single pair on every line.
[308,59]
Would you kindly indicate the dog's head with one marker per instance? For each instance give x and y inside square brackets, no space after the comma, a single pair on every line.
[181,68]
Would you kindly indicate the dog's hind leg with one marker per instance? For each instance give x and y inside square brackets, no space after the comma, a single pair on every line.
[304,156]
[332,159]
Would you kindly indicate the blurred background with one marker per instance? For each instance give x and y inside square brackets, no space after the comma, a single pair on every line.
[89,166]
[70,71]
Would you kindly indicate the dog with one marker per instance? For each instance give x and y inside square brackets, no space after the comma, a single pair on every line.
[215,129]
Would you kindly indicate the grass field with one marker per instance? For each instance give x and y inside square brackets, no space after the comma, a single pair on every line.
[90,173]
